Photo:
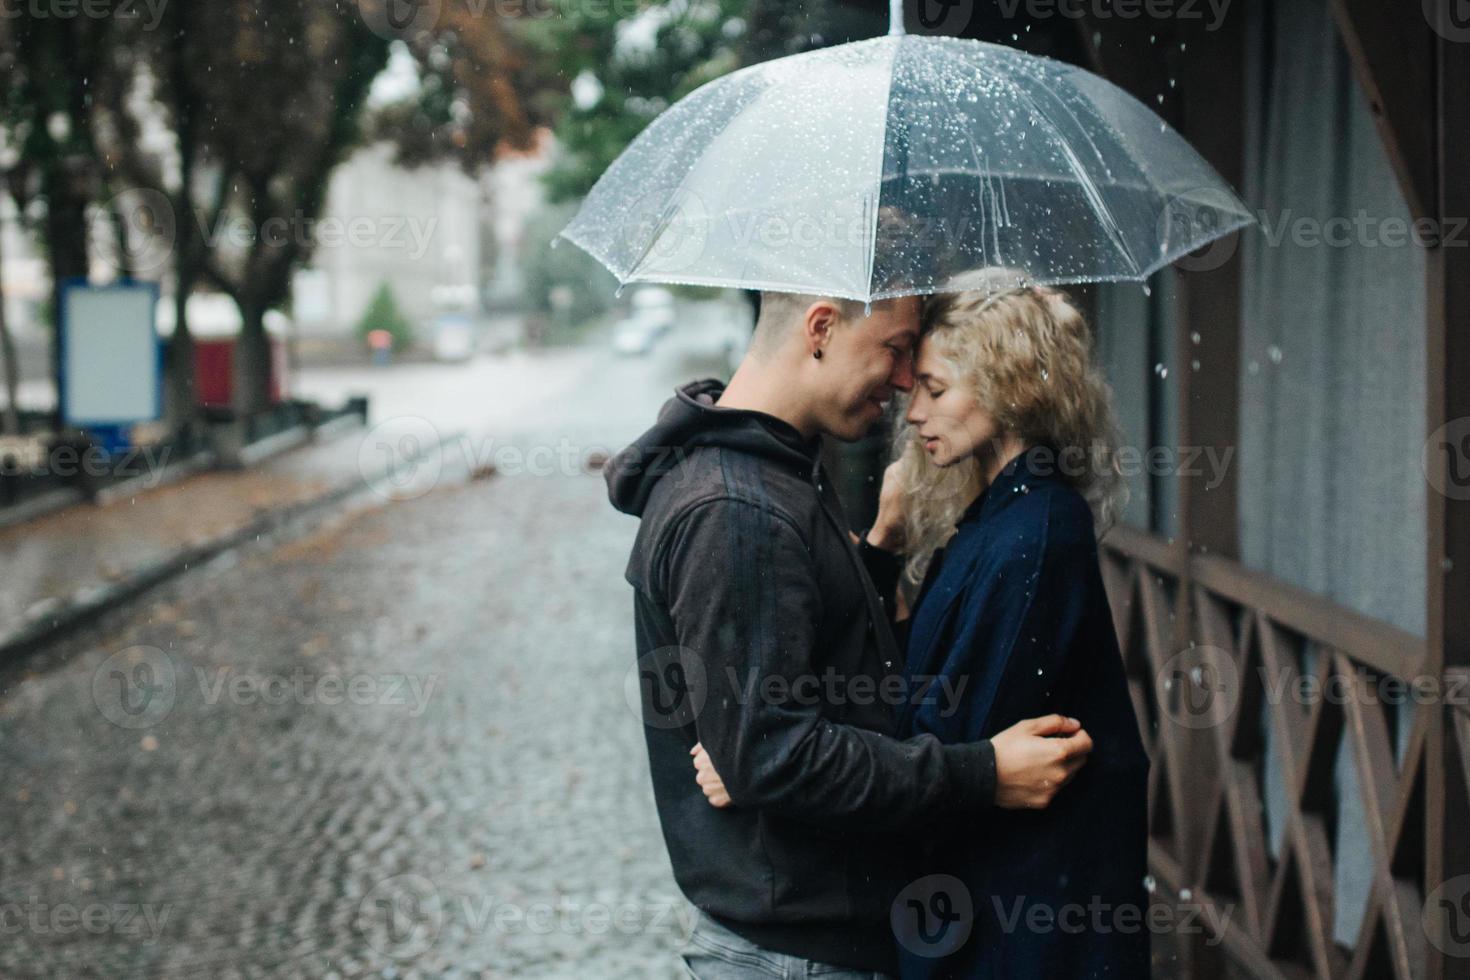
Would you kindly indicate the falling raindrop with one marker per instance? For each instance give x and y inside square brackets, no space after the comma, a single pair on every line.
[1147,290]
[1254,367]
[555,242]
[1194,365]
[1194,337]
[1161,371]
[1274,353]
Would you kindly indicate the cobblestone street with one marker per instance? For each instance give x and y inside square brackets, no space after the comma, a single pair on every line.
[396,744]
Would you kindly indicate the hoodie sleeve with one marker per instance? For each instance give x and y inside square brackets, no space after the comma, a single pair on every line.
[742,593]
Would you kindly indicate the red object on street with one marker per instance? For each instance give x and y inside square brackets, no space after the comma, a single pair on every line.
[214,374]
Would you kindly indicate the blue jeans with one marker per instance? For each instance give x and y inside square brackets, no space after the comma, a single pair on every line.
[716,953]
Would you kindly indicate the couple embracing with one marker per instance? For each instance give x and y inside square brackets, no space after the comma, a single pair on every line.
[908,751]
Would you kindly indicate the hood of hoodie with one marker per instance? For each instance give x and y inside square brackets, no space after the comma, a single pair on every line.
[688,421]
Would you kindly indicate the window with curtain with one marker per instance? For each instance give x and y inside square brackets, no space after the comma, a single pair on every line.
[1135,347]
[1332,367]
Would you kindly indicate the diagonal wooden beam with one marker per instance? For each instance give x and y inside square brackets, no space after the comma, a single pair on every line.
[1391,47]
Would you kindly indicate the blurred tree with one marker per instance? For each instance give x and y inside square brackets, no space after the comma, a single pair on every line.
[382,313]
[626,64]
[265,98]
[10,415]
[479,90]
[158,60]
[49,64]
[279,89]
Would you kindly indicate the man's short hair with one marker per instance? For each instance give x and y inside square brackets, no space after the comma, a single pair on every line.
[780,310]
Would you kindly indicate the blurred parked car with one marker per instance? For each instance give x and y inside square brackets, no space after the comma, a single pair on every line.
[651,317]
[454,337]
[634,337]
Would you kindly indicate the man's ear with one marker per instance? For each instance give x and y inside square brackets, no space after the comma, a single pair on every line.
[820,320]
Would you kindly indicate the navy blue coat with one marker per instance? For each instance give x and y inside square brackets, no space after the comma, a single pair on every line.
[1013,608]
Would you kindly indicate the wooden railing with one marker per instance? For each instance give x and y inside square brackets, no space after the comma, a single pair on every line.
[1228,666]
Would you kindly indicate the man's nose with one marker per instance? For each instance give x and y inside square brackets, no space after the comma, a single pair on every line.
[903,374]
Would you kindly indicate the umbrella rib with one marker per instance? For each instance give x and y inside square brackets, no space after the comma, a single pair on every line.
[974,155]
[878,182]
[664,216]
[1089,187]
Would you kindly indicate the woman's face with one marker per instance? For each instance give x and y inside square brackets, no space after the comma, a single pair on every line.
[947,417]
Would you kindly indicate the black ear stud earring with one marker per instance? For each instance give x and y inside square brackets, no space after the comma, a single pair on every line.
[817,353]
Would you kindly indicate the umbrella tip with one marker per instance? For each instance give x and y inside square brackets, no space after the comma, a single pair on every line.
[895,17]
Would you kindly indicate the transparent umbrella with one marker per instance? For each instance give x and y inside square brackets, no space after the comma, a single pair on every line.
[892,166]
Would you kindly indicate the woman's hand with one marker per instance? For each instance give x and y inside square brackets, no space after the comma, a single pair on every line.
[708,779]
[887,531]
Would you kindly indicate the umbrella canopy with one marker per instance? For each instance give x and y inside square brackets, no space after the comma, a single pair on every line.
[888,167]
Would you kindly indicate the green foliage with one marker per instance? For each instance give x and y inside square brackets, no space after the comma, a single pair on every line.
[383,314]
[642,58]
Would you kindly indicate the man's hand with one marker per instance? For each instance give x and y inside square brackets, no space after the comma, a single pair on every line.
[1035,758]
[708,779]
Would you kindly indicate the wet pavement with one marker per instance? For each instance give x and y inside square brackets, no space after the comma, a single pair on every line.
[483,407]
[395,745]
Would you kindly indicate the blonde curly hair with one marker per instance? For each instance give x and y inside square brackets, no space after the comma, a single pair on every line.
[1026,353]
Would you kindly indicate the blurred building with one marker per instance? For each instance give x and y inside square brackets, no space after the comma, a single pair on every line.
[514,194]
[440,239]
[418,231]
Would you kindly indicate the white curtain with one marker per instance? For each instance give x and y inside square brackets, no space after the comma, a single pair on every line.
[1332,352]
[1332,367]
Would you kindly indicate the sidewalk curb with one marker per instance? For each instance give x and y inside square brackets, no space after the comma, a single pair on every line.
[172,473]
[73,615]
[48,503]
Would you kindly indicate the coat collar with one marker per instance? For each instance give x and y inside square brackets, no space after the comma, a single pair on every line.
[1013,481]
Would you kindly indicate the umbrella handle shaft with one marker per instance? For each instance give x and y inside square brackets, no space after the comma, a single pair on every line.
[895,17]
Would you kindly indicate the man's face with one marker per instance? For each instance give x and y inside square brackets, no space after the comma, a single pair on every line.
[866,360]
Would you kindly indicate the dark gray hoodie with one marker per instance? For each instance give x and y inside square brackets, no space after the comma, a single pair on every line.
[760,635]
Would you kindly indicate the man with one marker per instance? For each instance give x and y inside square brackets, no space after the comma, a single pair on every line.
[761,636]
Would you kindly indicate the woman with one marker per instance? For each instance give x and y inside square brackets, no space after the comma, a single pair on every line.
[1005,477]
